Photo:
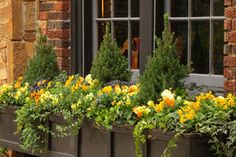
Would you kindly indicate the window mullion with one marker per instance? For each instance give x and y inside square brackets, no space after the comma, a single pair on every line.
[189,32]
[129,35]
[211,69]
[112,16]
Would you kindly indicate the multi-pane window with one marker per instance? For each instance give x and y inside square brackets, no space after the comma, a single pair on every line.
[198,27]
[123,16]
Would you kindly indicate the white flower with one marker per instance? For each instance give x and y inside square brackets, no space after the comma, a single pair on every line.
[168,94]
[89,79]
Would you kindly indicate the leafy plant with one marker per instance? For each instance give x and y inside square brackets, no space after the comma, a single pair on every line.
[163,70]
[109,64]
[3,152]
[43,65]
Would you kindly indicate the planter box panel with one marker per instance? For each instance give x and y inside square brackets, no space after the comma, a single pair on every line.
[66,145]
[94,143]
[187,146]
[123,145]
[8,138]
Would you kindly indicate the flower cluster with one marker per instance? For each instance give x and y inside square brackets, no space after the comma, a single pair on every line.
[15,93]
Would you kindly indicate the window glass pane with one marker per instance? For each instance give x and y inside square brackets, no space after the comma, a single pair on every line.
[201,7]
[218,44]
[218,7]
[135,8]
[121,36]
[200,47]
[179,8]
[120,8]
[135,45]
[159,18]
[101,26]
[181,38]
[104,8]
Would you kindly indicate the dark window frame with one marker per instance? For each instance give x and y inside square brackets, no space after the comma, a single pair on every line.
[81,62]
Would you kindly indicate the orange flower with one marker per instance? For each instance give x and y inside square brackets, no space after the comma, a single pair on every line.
[139,114]
[169,102]
[84,87]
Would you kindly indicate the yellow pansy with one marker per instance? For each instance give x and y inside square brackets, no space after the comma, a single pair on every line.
[107,89]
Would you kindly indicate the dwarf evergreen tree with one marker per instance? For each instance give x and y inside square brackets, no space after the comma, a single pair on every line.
[43,65]
[109,64]
[163,70]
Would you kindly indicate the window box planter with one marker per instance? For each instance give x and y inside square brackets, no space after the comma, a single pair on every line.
[93,141]
[8,137]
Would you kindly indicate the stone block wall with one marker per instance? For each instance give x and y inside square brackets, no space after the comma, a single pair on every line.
[54,21]
[230,46]
[17,35]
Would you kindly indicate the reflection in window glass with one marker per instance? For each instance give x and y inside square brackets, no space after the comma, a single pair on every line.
[201,7]
[101,31]
[135,45]
[121,32]
[179,8]
[120,8]
[218,43]
[104,8]
[200,47]
[181,39]
[218,7]
[135,8]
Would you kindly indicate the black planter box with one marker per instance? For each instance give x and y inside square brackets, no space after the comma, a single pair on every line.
[96,142]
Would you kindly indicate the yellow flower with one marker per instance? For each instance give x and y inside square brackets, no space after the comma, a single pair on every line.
[168,97]
[68,81]
[128,102]
[117,89]
[139,110]
[89,79]
[159,107]
[73,106]
[107,89]
[132,89]
[151,104]
[84,87]
[124,89]
[220,100]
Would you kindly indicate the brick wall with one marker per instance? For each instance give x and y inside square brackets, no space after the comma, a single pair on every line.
[54,21]
[230,46]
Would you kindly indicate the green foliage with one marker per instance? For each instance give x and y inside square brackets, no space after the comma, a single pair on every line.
[110,64]
[3,152]
[43,65]
[163,70]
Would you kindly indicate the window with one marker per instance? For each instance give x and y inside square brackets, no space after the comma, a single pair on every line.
[123,15]
[199,33]
[198,27]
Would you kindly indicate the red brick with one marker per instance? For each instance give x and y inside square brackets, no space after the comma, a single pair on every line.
[230,12]
[226,36]
[43,16]
[227,12]
[63,62]
[230,85]
[234,23]
[61,6]
[228,2]
[51,34]
[228,24]
[233,49]
[232,37]
[58,15]
[230,73]
[228,48]
[60,52]
[62,34]
[230,61]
